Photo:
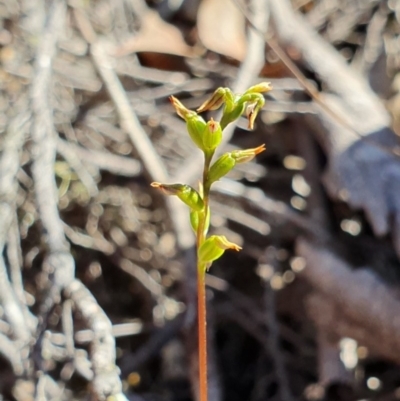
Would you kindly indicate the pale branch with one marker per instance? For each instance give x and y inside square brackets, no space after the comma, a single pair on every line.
[43,131]
[327,314]
[106,379]
[368,113]
[14,256]
[115,164]
[48,388]
[44,154]
[9,165]
[356,133]
[350,293]
[59,263]
[68,328]
[128,120]
[10,351]
[74,160]
[11,306]
[330,367]
[374,40]
[257,198]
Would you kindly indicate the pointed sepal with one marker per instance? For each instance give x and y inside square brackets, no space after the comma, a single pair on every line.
[195,124]
[246,155]
[262,87]
[181,110]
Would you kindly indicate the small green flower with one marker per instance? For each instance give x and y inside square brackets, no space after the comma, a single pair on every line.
[218,98]
[194,123]
[235,105]
[214,247]
[229,160]
[185,193]
[246,155]
[232,114]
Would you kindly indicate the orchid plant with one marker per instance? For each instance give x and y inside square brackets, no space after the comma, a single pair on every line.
[207,136]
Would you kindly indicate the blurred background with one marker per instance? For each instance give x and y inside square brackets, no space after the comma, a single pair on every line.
[97,269]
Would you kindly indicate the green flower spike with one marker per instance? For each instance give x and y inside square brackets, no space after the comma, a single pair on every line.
[208,136]
[228,161]
[185,193]
[214,247]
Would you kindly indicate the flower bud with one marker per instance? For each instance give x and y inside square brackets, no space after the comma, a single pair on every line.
[244,156]
[221,167]
[196,127]
[185,193]
[215,101]
[214,247]
[194,123]
[212,136]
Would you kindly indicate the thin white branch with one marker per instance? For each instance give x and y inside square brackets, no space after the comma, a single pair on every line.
[43,131]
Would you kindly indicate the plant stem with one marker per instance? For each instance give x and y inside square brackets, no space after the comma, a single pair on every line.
[201,288]
[202,323]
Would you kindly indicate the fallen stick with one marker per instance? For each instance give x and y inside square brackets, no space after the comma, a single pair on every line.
[366,308]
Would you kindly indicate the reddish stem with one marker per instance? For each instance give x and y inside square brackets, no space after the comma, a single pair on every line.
[201,287]
[202,323]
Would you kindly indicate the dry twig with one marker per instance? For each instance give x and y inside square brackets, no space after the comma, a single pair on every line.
[60,262]
[350,312]
[105,161]
[9,165]
[106,381]
[43,131]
